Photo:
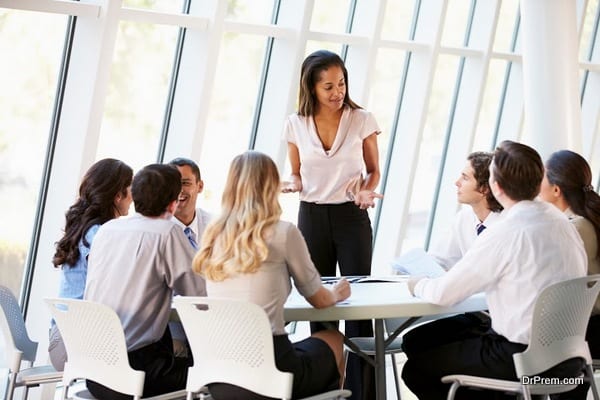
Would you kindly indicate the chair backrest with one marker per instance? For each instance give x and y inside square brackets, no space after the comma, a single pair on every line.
[95,344]
[231,342]
[560,319]
[17,344]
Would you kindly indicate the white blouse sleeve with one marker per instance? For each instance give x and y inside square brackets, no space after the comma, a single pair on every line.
[288,130]
[370,126]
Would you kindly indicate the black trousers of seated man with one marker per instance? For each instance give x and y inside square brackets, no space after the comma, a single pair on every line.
[464,344]
[164,372]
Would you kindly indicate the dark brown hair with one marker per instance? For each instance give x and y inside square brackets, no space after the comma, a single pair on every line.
[95,205]
[573,175]
[518,169]
[480,161]
[182,161]
[154,187]
[310,72]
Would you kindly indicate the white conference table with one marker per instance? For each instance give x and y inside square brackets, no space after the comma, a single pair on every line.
[376,301]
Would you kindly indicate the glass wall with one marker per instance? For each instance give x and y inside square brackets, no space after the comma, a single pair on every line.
[28,78]
[149,80]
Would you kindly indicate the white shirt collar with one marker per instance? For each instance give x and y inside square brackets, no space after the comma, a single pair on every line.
[193,225]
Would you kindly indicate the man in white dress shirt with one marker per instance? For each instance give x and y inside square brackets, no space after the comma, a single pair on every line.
[134,266]
[532,247]
[483,210]
[193,220]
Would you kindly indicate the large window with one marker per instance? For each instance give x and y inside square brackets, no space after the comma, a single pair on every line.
[149,80]
[137,93]
[32,45]
[231,111]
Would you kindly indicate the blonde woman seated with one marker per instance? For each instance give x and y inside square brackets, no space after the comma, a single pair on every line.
[248,253]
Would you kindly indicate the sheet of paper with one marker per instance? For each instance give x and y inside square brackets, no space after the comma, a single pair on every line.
[366,278]
[417,262]
[387,278]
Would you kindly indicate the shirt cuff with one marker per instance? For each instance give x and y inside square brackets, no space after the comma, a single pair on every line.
[420,287]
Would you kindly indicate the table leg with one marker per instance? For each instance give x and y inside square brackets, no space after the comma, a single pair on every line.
[380,360]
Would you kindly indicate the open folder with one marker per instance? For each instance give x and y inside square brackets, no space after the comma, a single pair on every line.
[417,262]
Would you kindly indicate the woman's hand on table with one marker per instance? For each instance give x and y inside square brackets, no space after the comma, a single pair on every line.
[328,296]
[341,290]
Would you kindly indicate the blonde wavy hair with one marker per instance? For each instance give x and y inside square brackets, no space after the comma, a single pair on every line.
[235,241]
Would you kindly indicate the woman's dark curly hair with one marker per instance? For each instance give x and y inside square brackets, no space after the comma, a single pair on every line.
[95,205]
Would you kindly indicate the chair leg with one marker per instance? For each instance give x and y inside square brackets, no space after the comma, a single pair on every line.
[590,374]
[65,390]
[396,380]
[10,390]
[452,390]
[343,378]
[526,394]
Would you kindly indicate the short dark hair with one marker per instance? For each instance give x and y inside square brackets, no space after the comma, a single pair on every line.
[181,161]
[518,169]
[480,161]
[154,187]
[313,65]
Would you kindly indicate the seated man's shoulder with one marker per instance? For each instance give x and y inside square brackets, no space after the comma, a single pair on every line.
[203,214]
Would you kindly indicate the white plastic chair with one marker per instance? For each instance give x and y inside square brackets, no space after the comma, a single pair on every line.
[19,347]
[231,342]
[560,318]
[96,349]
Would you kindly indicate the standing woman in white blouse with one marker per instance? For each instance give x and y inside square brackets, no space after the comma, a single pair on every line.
[332,148]
[568,185]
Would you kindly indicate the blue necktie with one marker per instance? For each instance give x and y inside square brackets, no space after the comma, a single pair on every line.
[191,237]
[480,228]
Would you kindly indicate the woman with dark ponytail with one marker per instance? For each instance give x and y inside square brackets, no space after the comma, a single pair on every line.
[104,194]
[568,185]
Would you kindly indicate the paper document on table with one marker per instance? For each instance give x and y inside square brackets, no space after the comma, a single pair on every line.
[417,262]
[365,278]
[388,278]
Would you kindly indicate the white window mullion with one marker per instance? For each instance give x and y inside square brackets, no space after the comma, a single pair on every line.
[393,219]
[512,118]
[590,111]
[74,8]
[77,139]
[360,59]
[281,85]
[195,82]
[464,121]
